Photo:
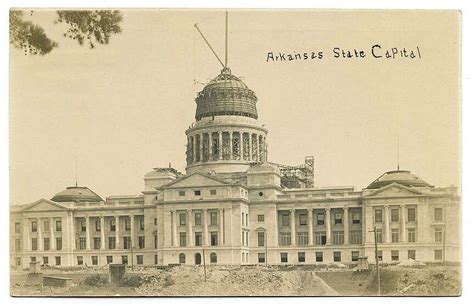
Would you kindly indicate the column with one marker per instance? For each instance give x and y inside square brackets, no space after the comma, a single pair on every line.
[258,148]
[174,230]
[310,227]
[205,234]
[220,145]
[88,238]
[72,235]
[40,234]
[132,231]
[52,238]
[328,227]
[402,223]
[194,149]
[386,225]
[293,227]
[26,234]
[251,148]
[117,232]
[190,228]
[368,217]
[277,232]
[201,146]
[241,146]
[346,225]
[221,227]
[102,232]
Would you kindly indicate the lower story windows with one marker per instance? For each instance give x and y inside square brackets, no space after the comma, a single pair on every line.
[57,260]
[139,259]
[380,255]
[301,256]
[127,243]
[285,238]
[438,254]
[182,239]
[319,257]
[338,238]
[411,235]
[110,259]
[125,259]
[213,257]
[355,255]
[261,257]
[303,238]
[111,243]
[395,255]
[284,257]
[320,238]
[80,260]
[337,256]
[182,258]
[356,237]
[412,254]
[95,260]
[18,261]
[46,260]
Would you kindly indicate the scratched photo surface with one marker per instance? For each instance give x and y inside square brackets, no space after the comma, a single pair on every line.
[235,153]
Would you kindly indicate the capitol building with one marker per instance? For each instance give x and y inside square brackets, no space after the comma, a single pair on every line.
[234,206]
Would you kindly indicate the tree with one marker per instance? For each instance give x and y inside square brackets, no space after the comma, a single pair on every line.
[93,27]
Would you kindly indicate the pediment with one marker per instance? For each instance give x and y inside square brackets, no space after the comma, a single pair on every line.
[196,180]
[44,205]
[394,190]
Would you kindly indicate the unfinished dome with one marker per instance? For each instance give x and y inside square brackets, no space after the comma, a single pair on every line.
[226,95]
[76,194]
[402,177]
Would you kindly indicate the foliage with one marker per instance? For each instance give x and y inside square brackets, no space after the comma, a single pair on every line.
[131,280]
[96,280]
[95,27]
[29,37]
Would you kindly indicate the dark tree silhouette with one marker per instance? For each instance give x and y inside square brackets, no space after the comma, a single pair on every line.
[93,27]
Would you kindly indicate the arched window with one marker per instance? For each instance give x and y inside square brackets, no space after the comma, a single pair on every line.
[182,258]
[213,258]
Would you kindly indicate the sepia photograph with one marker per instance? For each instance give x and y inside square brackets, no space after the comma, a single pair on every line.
[234,152]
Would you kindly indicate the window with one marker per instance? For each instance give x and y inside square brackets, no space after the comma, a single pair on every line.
[303,219]
[378,215]
[182,258]
[17,227]
[141,223]
[356,237]
[59,244]
[380,255]
[320,219]
[261,218]
[214,240]
[97,225]
[355,218]
[395,255]
[139,259]
[155,239]
[438,234]
[261,257]
[125,259]
[80,260]
[82,224]
[110,259]
[34,244]
[411,214]
[46,244]
[214,218]
[45,226]
[182,219]
[213,258]
[378,236]
[283,257]
[112,225]
[338,238]
[438,214]
[96,243]
[141,242]
[155,221]
[285,238]
[197,219]
[127,241]
[82,243]
[213,192]
[34,226]
[128,224]
[395,235]
[95,260]
[285,220]
[261,239]
[394,215]
[197,192]
[355,255]
[320,238]
[112,243]
[243,219]
[58,260]
[18,261]
[247,219]
[412,254]
[198,239]
[302,238]
[247,238]
[182,239]
[337,256]
[181,193]
[301,256]
[319,256]
[337,218]
[438,254]
[411,235]
[32,259]
[59,226]
[17,245]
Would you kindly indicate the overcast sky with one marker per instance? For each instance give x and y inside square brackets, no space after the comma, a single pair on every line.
[123,108]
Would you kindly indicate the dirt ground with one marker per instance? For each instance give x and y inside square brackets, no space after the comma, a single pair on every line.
[251,281]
